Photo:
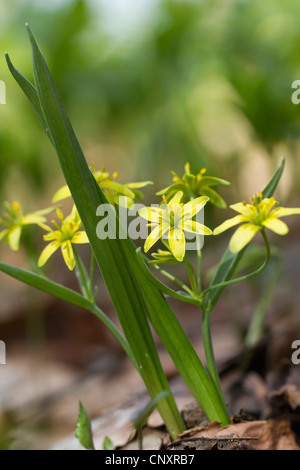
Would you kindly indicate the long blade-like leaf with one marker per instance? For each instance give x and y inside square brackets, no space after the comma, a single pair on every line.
[108,253]
[130,289]
[68,295]
[230,260]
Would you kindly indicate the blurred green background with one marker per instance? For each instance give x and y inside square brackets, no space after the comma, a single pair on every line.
[150,85]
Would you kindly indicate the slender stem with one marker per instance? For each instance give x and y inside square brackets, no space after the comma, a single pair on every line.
[173,278]
[199,263]
[116,333]
[92,273]
[161,286]
[191,275]
[256,326]
[247,276]
[82,276]
[210,359]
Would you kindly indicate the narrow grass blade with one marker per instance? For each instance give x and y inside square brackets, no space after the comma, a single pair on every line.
[130,289]
[68,295]
[29,90]
[108,253]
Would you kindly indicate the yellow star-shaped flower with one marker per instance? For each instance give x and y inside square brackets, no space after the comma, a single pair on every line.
[14,220]
[260,214]
[171,220]
[64,237]
[116,193]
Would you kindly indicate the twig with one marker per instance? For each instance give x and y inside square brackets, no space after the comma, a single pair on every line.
[210,439]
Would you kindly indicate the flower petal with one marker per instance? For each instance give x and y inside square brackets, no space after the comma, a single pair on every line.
[284,211]
[30,219]
[80,237]
[62,193]
[68,254]
[120,188]
[47,252]
[276,225]
[228,224]
[175,199]
[177,243]
[195,227]
[153,214]
[142,184]
[171,189]
[242,236]
[243,208]
[13,237]
[211,181]
[3,233]
[194,206]
[214,197]
[152,238]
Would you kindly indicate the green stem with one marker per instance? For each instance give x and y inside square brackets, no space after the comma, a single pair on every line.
[92,273]
[247,276]
[174,279]
[161,286]
[116,333]
[256,327]
[199,263]
[83,280]
[210,359]
[191,275]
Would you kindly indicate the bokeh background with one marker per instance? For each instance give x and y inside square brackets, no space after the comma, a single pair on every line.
[148,85]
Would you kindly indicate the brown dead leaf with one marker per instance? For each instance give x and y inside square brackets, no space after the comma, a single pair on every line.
[289,395]
[274,434]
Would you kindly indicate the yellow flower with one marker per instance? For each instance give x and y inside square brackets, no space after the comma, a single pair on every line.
[14,220]
[258,215]
[193,186]
[64,237]
[171,219]
[116,193]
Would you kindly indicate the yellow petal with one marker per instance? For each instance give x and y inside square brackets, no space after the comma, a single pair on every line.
[62,193]
[242,236]
[153,214]
[284,211]
[3,233]
[175,199]
[177,243]
[195,227]
[120,188]
[194,206]
[80,237]
[13,238]
[33,219]
[68,254]
[47,252]
[228,224]
[142,184]
[276,225]
[244,209]
[152,238]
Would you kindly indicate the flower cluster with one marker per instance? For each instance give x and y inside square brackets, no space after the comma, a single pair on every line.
[169,222]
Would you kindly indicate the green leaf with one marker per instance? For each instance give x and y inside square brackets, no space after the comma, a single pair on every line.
[68,295]
[30,91]
[108,444]
[109,253]
[141,421]
[131,292]
[230,260]
[84,429]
